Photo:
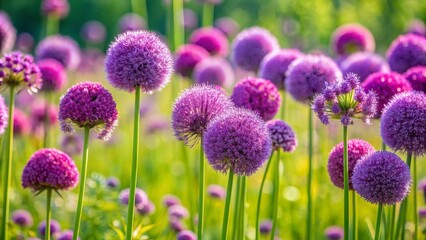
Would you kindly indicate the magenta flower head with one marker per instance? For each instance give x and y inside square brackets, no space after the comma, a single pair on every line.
[138,59]
[131,22]
[403,125]
[216,191]
[140,197]
[25,42]
[351,38]
[19,71]
[258,95]
[363,64]
[170,200]
[407,51]
[334,233]
[282,135]
[274,66]
[194,109]
[186,235]
[58,8]
[61,48]
[22,218]
[50,168]
[21,123]
[93,32]
[237,140]
[385,85]
[417,78]
[307,76]
[53,74]
[3,115]
[251,45]
[214,71]
[211,39]
[227,25]
[382,178]
[186,57]
[7,33]
[72,144]
[357,149]
[66,235]
[265,227]
[55,228]
[88,104]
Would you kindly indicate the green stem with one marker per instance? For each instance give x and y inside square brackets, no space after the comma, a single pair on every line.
[309,182]
[242,217]
[178,31]
[354,217]
[48,215]
[52,24]
[237,209]
[416,218]
[383,146]
[8,167]
[378,222]
[201,193]
[140,9]
[82,184]
[346,182]
[208,10]
[189,182]
[135,155]
[283,104]
[227,204]
[391,221]
[403,210]
[276,194]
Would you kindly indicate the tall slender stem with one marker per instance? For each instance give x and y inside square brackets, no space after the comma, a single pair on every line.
[391,221]
[346,182]
[139,7]
[82,184]
[242,217]
[283,104]
[403,210]
[276,194]
[309,182]
[237,210]
[190,182]
[135,156]
[227,204]
[354,217]
[178,31]
[416,218]
[8,167]
[201,193]
[48,215]
[208,10]
[52,24]
[378,222]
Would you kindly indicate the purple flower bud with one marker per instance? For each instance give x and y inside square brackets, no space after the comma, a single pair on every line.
[176,225]
[140,196]
[58,8]
[216,191]
[282,135]
[131,22]
[54,227]
[416,26]
[22,218]
[407,51]
[67,235]
[170,200]
[187,57]
[112,182]
[211,39]
[93,32]
[61,48]
[334,233]
[265,227]
[352,38]
[422,213]
[178,212]
[53,75]
[145,209]
[190,19]
[227,25]
[186,235]
[417,78]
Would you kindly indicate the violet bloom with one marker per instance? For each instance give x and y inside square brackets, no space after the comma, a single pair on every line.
[186,235]
[55,228]
[4,115]
[187,57]
[140,196]
[403,123]
[385,85]
[417,26]
[170,200]
[53,74]
[131,22]
[407,51]
[190,19]
[138,59]
[350,38]
[93,32]
[61,48]
[216,191]
[307,76]
[22,218]
[227,25]
[214,71]
[211,39]
[274,66]
[265,227]
[90,105]
[237,140]
[25,42]
[145,209]
[382,178]
[258,95]
[58,8]
[7,33]
[38,117]
[282,135]
[334,233]
[50,168]
[66,235]
[21,123]
[175,225]
[417,78]
[178,212]
[251,45]
[364,64]
[112,182]
[72,144]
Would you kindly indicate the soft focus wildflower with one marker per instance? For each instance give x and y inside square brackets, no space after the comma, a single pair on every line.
[250,46]
[216,191]
[25,42]
[237,140]
[4,115]
[156,125]
[422,187]
[93,32]
[282,135]
[417,78]
[187,57]
[258,95]
[351,38]
[407,51]
[186,235]
[72,144]
[265,227]
[21,123]
[334,233]
[178,212]
[170,200]
[227,25]
[58,8]
[140,196]
[88,104]
[7,33]
[190,19]
[356,150]
[176,225]
[382,178]
[403,123]
[66,235]
[91,60]
[40,113]
[422,213]
[22,218]
[53,74]
[61,48]
[131,22]
[145,209]
[138,59]
[363,64]
[55,228]
[211,39]
[417,26]
[112,182]
[214,71]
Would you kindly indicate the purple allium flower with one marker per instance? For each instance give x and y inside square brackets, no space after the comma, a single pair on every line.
[66,235]
[88,104]
[194,109]
[190,19]
[138,59]
[20,71]
[357,149]
[176,225]
[25,42]
[3,115]
[211,39]
[282,135]
[21,123]
[385,85]
[237,140]
[72,144]
[403,123]
[265,227]
[186,235]
[363,64]
[216,191]
[50,168]
[407,51]
[416,26]
[251,45]
[309,75]
[93,32]
[61,48]
[22,218]
[58,8]
[259,95]
[53,75]
[55,228]
[350,38]
[186,57]
[38,116]
[170,200]
[146,209]
[275,65]
[214,71]
[112,182]
[131,22]
[382,177]
[140,196]
[227,25]
[7,33]
[178,211]
[417,78]
[334,233]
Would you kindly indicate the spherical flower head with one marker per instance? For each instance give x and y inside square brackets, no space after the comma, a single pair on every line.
[138,59]
[19,71]
[112,182]
[187,57]
[407,51]
[186,235]
[363,64]
[66,235]
[385,85]
[170,200]
[7,33]
[145,209]
[214,71]
[265,227]
[88,104]
[382,178]
[58,8]
[4,115]
[417,78]
[55,228]
[334,233]
[22,218]
[356,150]
[274,66]
[350,38]
[178,212]
[72,144]
[237,140]
[211,39]
[282,135]
[251,45]
[194,109]
[140,196]
[403,125]
[216,191]
[25,42]
[93,32]
[416,26]
[61,48]
[227,25]
[258,95]
[307,76]
[21,123]
[131,22]
[53,74]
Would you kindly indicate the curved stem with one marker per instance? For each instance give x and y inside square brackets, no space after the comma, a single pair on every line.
[236,210]
[208,10]
[227,204]
[416,218]
[201,193]
[346,182]
[309,182]
[48,215]
[378,222]
[354,217]
[276,194]
[82,184]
